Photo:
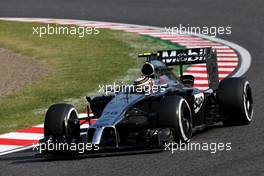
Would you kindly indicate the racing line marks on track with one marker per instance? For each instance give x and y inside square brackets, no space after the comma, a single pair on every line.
[228,61]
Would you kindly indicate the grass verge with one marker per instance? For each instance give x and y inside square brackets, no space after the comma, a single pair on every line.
[77,66]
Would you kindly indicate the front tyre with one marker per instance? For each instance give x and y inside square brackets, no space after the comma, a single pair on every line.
[235,101]
[61,121]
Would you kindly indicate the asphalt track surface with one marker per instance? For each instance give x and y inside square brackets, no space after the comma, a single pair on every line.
[246,19]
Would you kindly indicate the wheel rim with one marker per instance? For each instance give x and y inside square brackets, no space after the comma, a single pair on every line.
[185,123]
[185,120]
[248,101]
[72,124]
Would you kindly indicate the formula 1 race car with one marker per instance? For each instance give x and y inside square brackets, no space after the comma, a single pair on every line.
[159,107]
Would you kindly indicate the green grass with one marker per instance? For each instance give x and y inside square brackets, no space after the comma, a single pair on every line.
[77,66]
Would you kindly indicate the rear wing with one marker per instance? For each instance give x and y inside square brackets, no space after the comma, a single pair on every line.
[184,56]
[187,57]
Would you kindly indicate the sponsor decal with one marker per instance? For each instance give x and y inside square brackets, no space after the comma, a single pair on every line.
[185,56]
[198,102]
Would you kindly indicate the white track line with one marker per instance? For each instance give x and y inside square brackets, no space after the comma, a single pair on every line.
[204,74]
[21,135]
[17,149]
[204,68]
[218,54]
[39,126]
[200,81]
[4,148]
[227,59]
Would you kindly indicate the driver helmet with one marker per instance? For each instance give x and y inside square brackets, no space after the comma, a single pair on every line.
[144,83]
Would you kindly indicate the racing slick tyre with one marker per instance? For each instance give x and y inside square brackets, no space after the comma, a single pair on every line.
[175,113]
[62,121]
[235,101]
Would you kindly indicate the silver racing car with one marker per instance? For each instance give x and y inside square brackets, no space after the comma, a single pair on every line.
[159,107]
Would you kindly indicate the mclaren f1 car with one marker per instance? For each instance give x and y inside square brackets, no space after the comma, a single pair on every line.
[174,111]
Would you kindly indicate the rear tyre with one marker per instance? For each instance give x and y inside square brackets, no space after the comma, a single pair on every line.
[175,113]
[235,101]
[61,121]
